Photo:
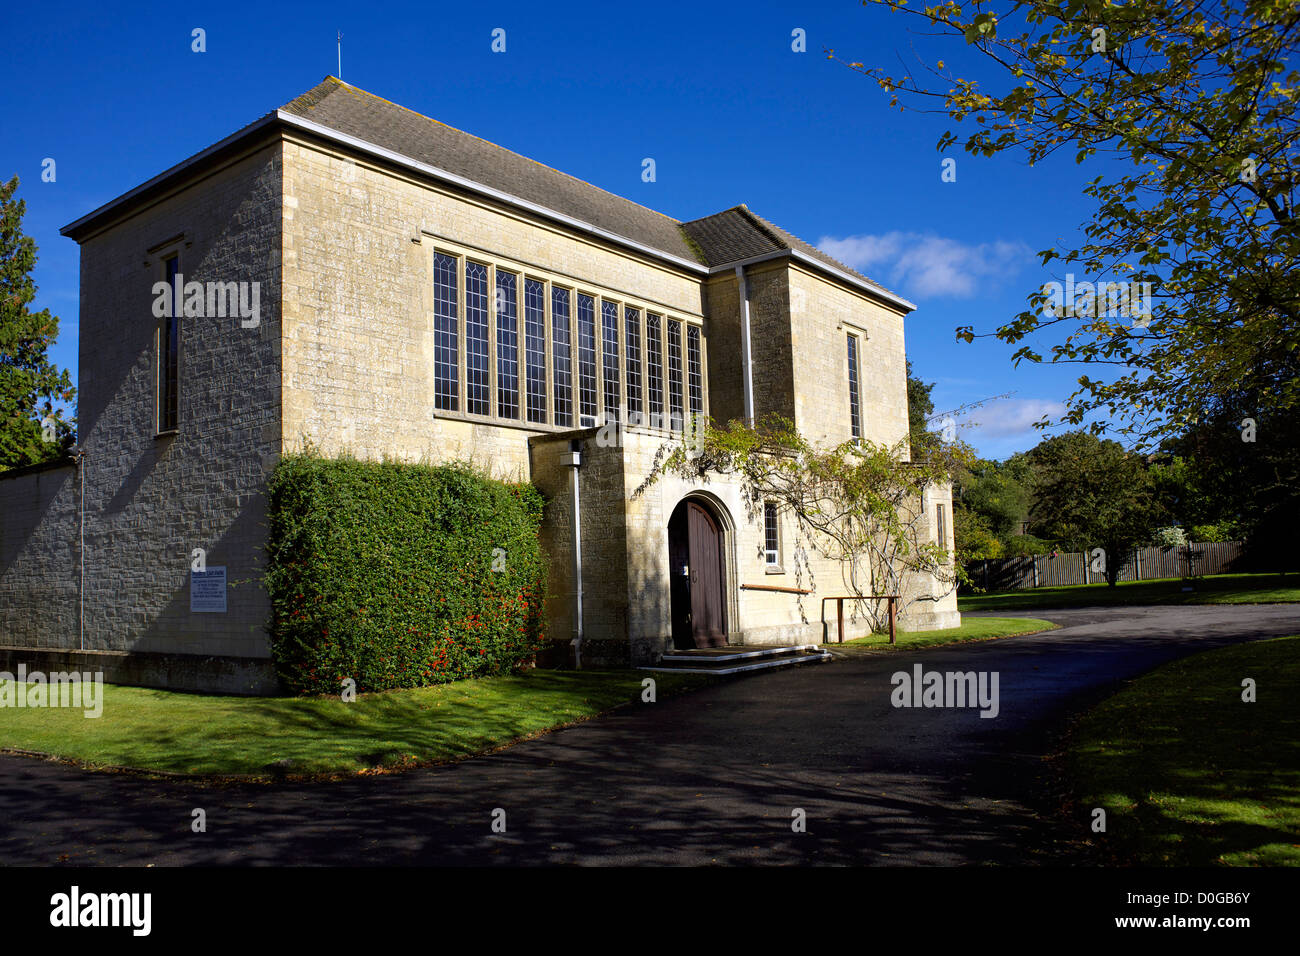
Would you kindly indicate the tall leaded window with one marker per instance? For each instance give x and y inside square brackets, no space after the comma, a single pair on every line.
[675,374]
[694,373]
[561,357]
[169,356]
[941,529]
[507,344]
[654,369]
[586,358]
[855,413]
[609,357]
[771,535]
[446,353]
[632,343]
[535,348]
[478,400]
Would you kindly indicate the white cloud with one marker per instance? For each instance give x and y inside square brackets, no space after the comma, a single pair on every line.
[925,265]
[1010,417]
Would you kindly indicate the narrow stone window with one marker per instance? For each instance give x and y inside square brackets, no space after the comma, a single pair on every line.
[507,345]
[654,370]
[771,535]
[446,353]
[694,373]
[535,348]
[632,343]
[675,375]
[609,357]
[586,360]
[561,357]
[855,411]
[941,525]
[169,357]
[478,400]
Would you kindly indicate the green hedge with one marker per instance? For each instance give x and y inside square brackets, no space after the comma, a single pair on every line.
[384,572]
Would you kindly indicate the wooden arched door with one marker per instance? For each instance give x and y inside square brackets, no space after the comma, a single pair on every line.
[698,575]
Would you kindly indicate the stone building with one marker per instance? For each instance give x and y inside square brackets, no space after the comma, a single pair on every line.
[373,281]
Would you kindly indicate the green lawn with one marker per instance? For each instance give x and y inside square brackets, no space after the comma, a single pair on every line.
[1213,589]
[972,629]
[190,733]
[1188,773]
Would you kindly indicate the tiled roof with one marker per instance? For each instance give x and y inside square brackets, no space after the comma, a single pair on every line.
[737,233]
[346,109]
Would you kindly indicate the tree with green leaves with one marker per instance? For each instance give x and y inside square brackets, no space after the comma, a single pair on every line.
[920,411]
[33,428]
[1092,493]
[857,504]
[1197,101]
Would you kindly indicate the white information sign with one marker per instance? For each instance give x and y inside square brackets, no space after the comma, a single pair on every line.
[208,591]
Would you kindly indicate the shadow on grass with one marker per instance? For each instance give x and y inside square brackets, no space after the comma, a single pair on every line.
[315,736]
[1188,772]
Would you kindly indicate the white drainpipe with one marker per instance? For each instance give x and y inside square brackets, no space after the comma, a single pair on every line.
[575,462]
[744,344]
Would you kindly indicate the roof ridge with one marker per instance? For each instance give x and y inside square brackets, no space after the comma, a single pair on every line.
[771,229]
[430,119]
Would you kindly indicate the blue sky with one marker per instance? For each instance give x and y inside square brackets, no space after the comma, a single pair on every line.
[714,94]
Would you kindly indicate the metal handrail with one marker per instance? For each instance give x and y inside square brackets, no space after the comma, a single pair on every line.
[893,613]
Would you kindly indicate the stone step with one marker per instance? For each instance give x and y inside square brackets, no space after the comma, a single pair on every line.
[739,659]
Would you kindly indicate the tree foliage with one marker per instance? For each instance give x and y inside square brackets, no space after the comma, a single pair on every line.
[1092,493]
[1197,104]
[32,428]
[920,412]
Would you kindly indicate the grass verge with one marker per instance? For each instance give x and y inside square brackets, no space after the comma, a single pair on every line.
[972,629]
[1214,589]
[1188,773]
[170,732]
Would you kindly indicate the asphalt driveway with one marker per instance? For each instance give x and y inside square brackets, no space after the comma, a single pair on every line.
[711,777]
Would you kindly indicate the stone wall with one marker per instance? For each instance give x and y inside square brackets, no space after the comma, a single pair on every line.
[823,313]
[38,557]
[152,499]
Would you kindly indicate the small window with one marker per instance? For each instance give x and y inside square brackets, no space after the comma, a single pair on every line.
[771,535]
[941,525]
[695,375]
[562,357]
[586,360]
[654,369]
[477,397]
[169,356]
[446,350]
[609,357]
[507,345]
[674,375]
[632,336]
[535,348]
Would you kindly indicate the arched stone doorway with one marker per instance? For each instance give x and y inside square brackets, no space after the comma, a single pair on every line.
[698,575]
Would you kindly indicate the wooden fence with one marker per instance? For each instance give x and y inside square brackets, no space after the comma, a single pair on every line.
[1142,564]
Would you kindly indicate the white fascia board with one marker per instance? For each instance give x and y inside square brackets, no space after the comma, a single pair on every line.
[470,185]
